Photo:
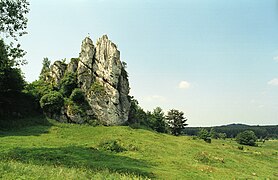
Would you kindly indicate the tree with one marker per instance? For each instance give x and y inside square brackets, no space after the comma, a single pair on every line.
[45,68]
[247,138]
[222,135]
[158,120]
[13,23]
[205,135]
[213,134]
[10,78]
[52,103]
[176,121]
[137,117]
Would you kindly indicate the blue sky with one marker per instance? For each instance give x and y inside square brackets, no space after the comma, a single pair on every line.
[215,60]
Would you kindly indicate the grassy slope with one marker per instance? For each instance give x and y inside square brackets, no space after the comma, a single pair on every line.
[65,151]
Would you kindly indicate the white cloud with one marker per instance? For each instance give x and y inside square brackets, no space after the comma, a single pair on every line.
[273,82]
[275,58]
[155,98]
[184,85]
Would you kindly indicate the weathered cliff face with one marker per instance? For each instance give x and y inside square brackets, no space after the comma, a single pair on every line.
[103,79]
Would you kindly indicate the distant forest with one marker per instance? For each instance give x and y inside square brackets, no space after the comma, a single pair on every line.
[233,129]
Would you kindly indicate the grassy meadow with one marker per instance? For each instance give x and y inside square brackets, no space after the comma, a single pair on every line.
[67,151]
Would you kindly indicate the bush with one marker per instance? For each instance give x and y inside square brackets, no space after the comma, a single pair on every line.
[111,145]
[222,135]
[77,96]
[68,83]
[52,102]
[98,89]
[205,135]
[247,138]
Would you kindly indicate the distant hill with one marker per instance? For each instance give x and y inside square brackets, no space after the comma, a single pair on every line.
[270,131]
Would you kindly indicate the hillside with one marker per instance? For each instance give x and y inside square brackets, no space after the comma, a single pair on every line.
[68,151]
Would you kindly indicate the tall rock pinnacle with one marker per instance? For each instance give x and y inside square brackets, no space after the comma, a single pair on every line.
[103,79]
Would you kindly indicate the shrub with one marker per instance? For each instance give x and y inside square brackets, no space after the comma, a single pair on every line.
[247,138]
[77,96]
[98,88]
[222,135]
[68,83]
[52,102]
[205,135]
[111,145]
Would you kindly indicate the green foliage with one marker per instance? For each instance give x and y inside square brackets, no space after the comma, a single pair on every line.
[45,69]
[270,131]
[52,102]
[10,78]
[98,89]
[176,121]
[38,88]
[137,117]
[68,83]
[13,103]
[205,135]
[111,145]
[74,108]
[247,138]
[77,103]
[222,135]
[13,23]
[74,60]
[77,96]
[213,134]
[157,120]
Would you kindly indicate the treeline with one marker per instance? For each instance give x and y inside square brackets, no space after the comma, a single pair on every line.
[233,129]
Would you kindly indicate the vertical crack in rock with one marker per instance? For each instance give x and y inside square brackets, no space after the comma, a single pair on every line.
[102,77]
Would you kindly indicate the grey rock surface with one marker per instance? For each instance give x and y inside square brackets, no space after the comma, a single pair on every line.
[102,78]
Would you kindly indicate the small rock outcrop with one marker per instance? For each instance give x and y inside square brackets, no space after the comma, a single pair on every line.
[101,76]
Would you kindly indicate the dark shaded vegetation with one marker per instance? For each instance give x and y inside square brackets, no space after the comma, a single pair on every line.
[172,123]
[19,127]
[79,157]
[112,146]
[231,131]
[247,138]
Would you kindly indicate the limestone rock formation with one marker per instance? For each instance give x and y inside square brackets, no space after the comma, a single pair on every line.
[100,74]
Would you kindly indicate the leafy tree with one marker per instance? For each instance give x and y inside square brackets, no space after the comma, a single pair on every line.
[176,121]
[247,138]
[10,78]
[137,116]
[222,135]
[45,68]
[204,134]
[68,83]
[158,122]
[213,134]
[52,102]
[77,96]
[13,22]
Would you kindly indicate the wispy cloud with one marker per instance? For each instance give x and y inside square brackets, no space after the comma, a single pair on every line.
[155,98]
[275,58]
[273,82]
[184,85]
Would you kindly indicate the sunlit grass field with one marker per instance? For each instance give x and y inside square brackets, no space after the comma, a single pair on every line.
[68,151]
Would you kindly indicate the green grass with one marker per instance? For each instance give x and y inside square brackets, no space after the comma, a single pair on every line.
[66,151]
